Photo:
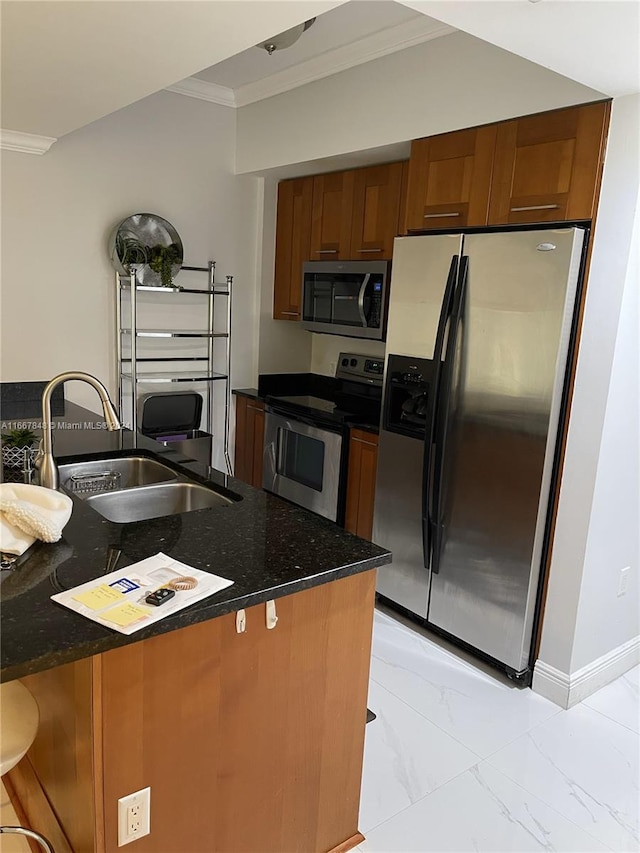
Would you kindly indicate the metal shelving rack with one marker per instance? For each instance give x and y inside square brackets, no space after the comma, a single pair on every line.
[129,368]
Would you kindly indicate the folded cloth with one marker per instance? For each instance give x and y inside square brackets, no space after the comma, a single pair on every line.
[28,513]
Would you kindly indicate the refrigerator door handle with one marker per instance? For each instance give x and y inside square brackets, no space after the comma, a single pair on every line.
[442,416]
[445,311]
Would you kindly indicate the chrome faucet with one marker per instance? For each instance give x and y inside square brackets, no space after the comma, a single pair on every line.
[45,463]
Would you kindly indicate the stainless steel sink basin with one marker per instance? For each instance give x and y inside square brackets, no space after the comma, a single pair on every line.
[155,501]
[98,475]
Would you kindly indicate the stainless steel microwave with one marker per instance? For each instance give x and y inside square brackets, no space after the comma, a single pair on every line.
[346,298]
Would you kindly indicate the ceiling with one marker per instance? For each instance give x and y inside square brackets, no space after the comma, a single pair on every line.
[341,26]
[66,63]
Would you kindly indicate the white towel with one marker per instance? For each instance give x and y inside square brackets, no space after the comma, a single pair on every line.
[28,513]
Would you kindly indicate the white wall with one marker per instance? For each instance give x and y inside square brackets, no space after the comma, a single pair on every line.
[167,154]
[605,620]
[597,523]
[449,83]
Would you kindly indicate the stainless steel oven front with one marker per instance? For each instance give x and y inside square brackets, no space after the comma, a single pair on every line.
[302,462]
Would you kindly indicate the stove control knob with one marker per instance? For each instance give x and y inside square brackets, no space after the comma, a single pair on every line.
[354,362]
[345,362]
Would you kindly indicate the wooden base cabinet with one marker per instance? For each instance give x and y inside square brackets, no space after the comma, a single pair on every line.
[249,445]
[250,742]
[361,482]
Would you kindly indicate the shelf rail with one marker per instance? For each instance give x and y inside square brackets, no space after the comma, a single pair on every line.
[210,376]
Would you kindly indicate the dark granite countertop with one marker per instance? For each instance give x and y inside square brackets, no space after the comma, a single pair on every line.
[251,393]
[267,546]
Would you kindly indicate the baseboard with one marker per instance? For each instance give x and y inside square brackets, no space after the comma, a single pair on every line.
[567,690]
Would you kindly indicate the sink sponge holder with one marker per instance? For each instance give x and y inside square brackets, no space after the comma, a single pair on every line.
[103,481]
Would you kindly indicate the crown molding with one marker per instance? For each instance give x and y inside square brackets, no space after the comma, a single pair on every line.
[333,61]
[193,87]
[26,143]
[341,58]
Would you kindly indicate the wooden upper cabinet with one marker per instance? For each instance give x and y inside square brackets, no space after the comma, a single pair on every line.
[293,234]
[331,216]
[376,207]
[547,166]
[450,179]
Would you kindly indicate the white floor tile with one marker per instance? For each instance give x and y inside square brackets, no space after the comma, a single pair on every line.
[585,766]
[405,758]
[482,712]
[481,810]
[620,700]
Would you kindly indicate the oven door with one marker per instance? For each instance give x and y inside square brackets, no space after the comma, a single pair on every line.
[302,463]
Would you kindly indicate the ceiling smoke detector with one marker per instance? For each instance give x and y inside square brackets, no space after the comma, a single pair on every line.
[285,39]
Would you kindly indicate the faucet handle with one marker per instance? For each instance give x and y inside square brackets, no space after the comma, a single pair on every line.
[28,469]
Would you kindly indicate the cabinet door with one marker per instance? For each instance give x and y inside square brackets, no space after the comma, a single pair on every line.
[249,440]
[376,205]
[240,455]
[450,178]
[293,234]
[255,422]
[361,482]
[331,216]
[547,166]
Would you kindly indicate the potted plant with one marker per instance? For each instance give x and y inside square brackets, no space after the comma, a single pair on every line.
[14,444]
[162,260]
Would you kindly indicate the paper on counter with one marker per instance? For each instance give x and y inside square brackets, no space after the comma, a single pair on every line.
[117,600]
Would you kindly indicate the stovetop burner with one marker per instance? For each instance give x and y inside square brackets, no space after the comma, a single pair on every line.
[353,396]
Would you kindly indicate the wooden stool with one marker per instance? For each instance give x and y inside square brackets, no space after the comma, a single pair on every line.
[19,720]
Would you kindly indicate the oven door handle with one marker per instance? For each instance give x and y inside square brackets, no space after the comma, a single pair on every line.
[363,290]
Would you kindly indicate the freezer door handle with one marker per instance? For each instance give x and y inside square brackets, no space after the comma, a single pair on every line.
[443,407]
[445,311]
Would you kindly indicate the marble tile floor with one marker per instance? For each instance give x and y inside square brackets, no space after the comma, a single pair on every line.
[459,759]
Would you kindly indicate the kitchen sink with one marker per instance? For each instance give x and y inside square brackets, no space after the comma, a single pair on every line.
[98,475]
[155,501]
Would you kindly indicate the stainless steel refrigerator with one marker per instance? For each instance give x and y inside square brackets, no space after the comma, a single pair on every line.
[479,330]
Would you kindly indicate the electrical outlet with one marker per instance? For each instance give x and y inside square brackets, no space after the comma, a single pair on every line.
[134,816]
[623,582]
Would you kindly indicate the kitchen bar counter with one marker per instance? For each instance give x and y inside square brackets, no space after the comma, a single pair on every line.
[268,547]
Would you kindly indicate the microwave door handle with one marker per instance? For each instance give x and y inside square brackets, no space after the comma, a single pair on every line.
[363,290]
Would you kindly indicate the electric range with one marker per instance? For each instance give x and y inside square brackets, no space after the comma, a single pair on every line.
[306,434]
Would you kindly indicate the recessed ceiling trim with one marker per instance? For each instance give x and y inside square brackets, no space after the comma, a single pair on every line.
[333,61]
[341,58]
[25,143]
[205,91]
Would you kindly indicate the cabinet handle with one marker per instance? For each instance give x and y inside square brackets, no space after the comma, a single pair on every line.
[291,313]
[369,250]
[362,441]
[535,207]
[255,408]
[439,215]
[325,251]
